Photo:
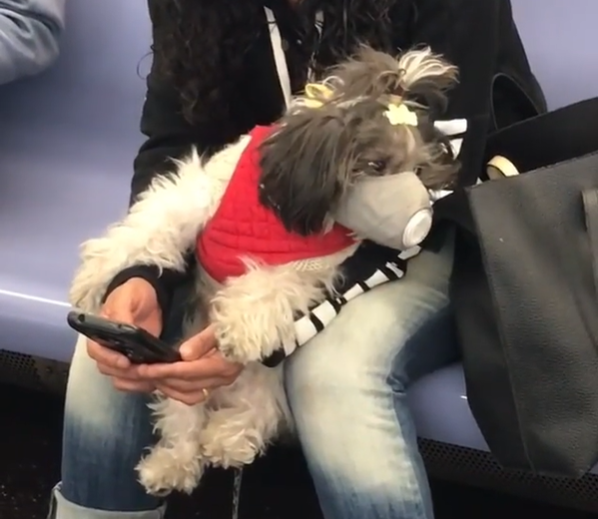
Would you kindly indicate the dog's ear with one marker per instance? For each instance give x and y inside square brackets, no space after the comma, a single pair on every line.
[304,167]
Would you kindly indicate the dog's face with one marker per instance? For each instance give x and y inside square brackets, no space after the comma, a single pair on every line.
[347,130]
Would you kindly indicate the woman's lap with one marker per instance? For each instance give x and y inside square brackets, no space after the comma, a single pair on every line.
[347,392]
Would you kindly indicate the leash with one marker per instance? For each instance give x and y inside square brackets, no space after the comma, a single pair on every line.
[237,482]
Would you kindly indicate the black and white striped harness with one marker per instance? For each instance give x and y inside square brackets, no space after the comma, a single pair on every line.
[370,267]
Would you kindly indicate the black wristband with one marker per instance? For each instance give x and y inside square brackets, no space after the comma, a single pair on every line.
[163,283]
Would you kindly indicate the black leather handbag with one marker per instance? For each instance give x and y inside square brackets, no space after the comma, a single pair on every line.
[525,293]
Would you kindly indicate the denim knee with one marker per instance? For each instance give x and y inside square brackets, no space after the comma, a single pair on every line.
[105,435]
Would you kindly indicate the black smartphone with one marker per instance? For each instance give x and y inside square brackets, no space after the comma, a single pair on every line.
[138,345]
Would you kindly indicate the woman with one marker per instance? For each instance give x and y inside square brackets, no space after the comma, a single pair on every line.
[219,69]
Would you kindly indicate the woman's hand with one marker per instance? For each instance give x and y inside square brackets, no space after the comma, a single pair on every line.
[134,302]
[202,370]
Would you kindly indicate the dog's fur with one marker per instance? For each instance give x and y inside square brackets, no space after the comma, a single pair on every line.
[308,163]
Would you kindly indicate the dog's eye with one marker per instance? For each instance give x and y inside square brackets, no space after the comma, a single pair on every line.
[377,166]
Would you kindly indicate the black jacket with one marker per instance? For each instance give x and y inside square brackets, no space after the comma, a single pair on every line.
[496,88]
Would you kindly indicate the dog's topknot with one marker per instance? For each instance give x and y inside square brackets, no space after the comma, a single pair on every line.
[419,77]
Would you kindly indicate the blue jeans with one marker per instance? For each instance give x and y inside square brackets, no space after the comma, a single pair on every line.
[347,391]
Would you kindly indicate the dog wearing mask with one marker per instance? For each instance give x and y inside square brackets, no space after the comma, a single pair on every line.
[271,218]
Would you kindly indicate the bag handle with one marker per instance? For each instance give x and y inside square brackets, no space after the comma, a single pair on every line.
[500,167]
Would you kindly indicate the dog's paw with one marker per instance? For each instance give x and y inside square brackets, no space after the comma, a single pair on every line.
[227,442]
[166,469]
[230,350]
[234,344]
[247,329]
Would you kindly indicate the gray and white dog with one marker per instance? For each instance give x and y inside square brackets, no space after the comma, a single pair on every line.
[272,217]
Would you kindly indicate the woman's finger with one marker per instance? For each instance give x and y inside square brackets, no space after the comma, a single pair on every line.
[126,374]
[214,366]
[132,386]
[192,386]
[107,356]
[199,344]
[193,398]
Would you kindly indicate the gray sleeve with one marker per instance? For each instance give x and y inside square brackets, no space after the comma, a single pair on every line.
[29,36]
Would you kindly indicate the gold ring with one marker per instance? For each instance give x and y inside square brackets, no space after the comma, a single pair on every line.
[206,393]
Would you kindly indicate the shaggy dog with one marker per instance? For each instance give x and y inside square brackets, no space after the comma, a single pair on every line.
[263,217]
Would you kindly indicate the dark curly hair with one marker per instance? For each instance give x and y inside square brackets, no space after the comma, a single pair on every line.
[199,45]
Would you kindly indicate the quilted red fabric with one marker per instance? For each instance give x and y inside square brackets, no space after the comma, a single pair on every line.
[243,228]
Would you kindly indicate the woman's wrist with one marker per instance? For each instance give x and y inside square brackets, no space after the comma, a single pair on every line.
[163,282]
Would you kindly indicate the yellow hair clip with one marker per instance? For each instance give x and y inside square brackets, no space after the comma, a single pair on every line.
[314,93]
[400,114]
